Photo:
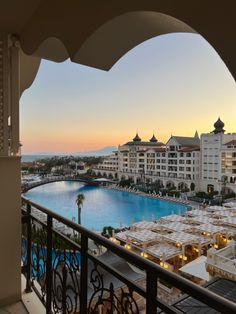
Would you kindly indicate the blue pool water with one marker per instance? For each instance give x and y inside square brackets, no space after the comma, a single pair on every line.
[101,207]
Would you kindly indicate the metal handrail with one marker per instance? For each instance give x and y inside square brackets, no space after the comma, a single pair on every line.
[152,270]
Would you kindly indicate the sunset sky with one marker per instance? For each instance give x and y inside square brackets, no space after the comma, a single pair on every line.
[173,84]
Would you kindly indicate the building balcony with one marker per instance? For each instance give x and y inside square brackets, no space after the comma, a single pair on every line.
[222,263]
[74,270]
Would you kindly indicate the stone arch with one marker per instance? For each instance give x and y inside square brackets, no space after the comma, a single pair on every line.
[158,182]
[192,186]
[182,186]
[133,28]
[110,176]
[133,22]
[227,190]
[170,184]
[139,24]
[210,188]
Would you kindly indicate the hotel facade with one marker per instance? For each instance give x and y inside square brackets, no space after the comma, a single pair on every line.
[206,163]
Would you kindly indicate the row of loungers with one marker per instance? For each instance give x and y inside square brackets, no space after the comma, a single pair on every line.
[152,195]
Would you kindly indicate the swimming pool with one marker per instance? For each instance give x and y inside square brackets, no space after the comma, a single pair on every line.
[101,207]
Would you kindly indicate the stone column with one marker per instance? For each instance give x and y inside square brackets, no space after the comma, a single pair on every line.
[10,218]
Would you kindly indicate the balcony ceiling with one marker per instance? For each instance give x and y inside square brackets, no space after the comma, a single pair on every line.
[98,33]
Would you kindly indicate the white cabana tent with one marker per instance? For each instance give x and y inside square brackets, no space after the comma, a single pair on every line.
[209,228]
[149,225]
[184,238]
[141,236]
[196,268]
[163,251]
[178,226]
[171,218]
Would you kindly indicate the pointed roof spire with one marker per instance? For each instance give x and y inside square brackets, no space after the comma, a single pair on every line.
[153,139]
[196,134]
[136,138]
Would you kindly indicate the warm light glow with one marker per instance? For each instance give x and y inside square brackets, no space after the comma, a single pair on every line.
[185,258]
[196,250]
[181,256]
[143,254]
[128,246]
[216,246]
[114,240]
[178,244]
[166,266]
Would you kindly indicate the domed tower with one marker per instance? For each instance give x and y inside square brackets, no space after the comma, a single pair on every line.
[219,125]
[136,138]
[153,139]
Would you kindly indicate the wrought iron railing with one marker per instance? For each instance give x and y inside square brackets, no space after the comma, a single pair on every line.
[69,277]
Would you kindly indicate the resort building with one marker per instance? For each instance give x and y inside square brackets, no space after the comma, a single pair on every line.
[175,163]
[109,166]
[184,163]
[218,160]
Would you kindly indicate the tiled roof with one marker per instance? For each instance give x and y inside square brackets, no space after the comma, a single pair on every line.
[233,142]
[187,141]
[143,143]
[189,149]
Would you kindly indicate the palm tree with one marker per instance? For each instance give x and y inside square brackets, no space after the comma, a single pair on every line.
[79,201]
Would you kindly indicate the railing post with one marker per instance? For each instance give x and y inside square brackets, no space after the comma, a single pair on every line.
[83,274]
[151,290]
[49,265]
[64,279]
[29,243]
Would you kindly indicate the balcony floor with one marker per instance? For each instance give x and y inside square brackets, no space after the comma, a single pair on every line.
[16,308]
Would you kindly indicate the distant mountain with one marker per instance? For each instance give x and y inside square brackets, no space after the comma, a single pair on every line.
[105,151]
[108,150]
